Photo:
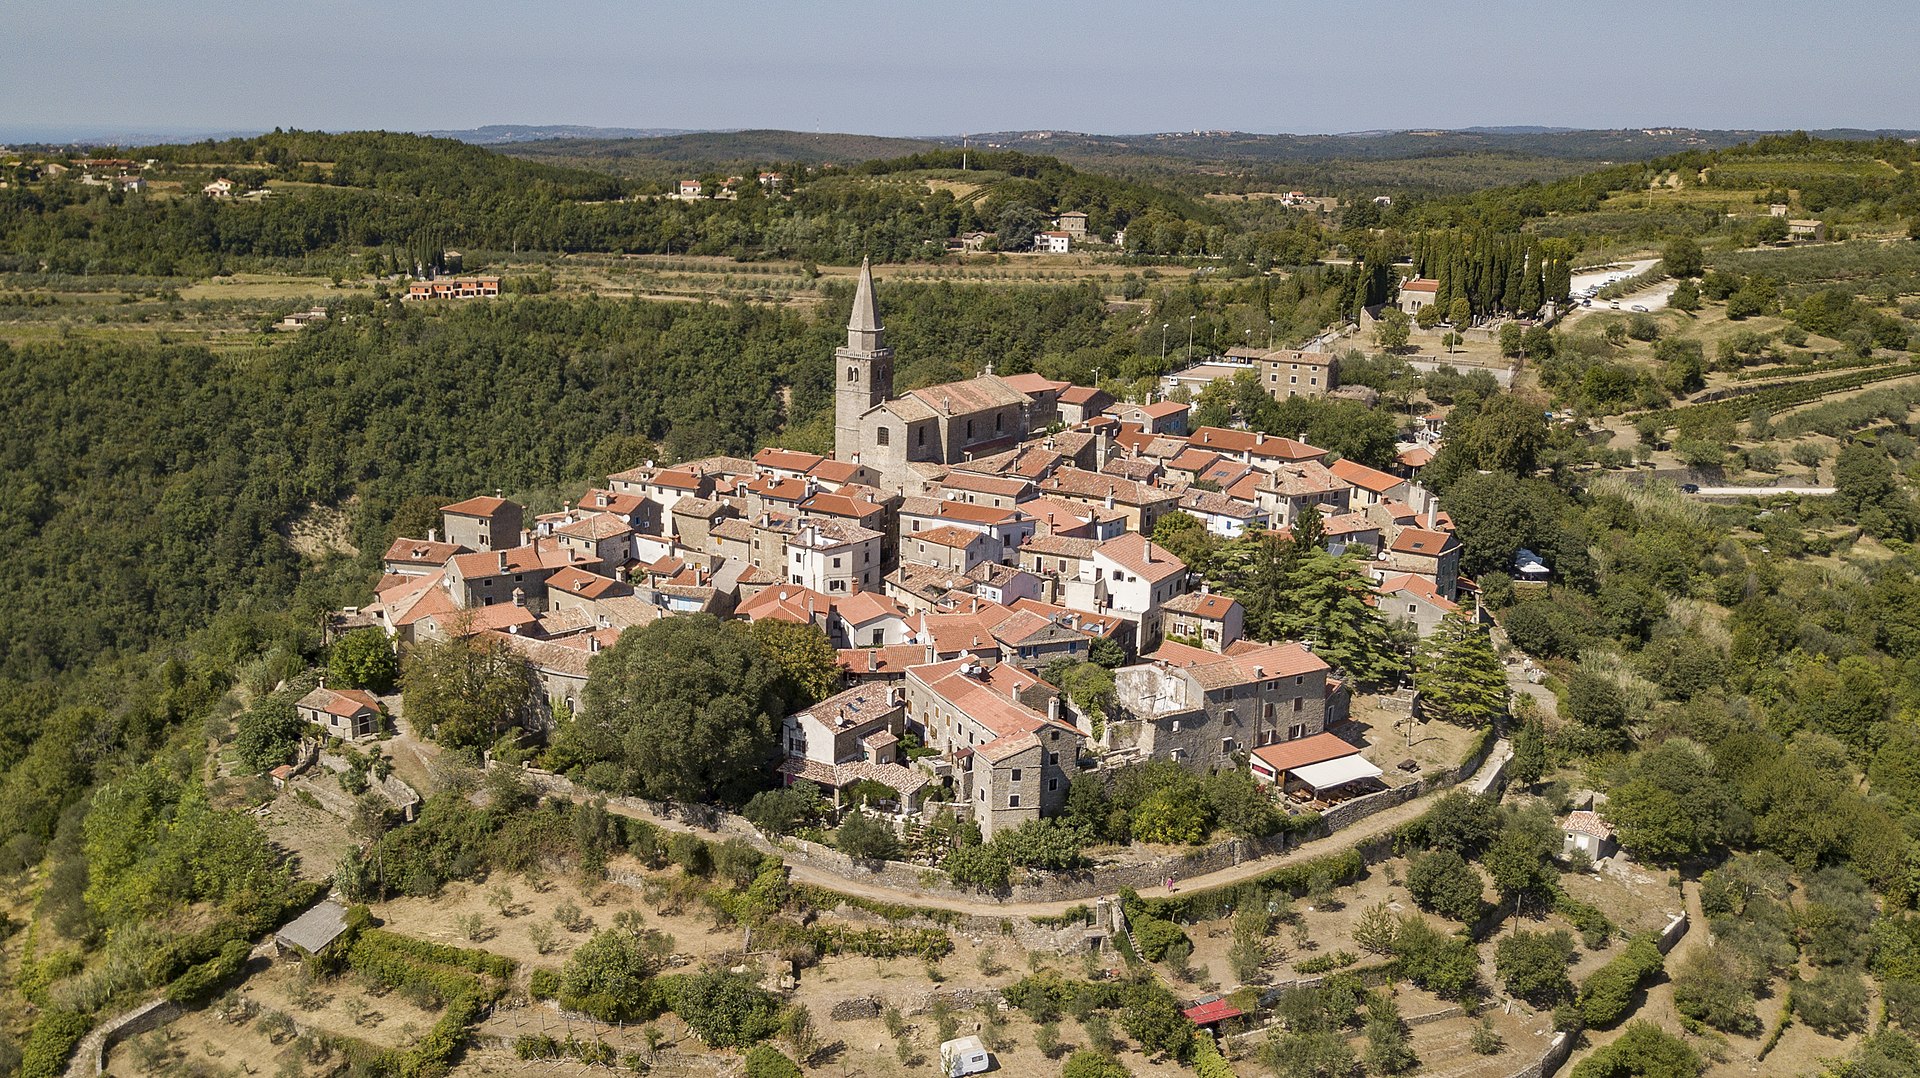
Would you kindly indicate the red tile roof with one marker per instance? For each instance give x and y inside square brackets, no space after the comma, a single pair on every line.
[787,460]
[422,552]
[1421,541]
[1141,556]
[1359,475]
[1307,750]
[476,507]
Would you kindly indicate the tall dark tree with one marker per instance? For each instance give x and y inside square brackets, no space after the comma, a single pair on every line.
[686,708]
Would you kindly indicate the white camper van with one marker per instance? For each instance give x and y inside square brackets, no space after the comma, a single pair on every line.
[964,1056]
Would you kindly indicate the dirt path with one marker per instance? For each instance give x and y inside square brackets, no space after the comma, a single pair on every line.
[1378,824]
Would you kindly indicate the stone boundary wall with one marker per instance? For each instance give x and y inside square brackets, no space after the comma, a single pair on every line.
[1675,931]
[1557,1051]
[90,1058]
[1063,887]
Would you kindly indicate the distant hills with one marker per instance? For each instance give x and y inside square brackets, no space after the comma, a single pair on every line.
[500,134]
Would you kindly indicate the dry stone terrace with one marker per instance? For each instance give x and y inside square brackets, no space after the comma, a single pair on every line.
[961,538]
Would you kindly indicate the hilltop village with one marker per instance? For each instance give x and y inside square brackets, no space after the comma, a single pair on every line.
[962,538]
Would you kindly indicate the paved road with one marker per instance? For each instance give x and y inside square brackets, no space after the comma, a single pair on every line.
[1758,492]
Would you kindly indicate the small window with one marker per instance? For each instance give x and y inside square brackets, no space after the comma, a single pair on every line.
[882,436]
[853,374]
[1299,705]
[1013,801]
[922,431]
[1016,774]
[1052,785]
[1053,758]
[1176,726]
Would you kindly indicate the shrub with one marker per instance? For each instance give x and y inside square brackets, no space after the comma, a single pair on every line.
[725,1010]
[50,1043]
[1443,882]
[1833,1003]
[1607,993]
[1326,963]
[1154,936]
[198,984]
[545,984]
[766,1061]
[1644,1049]
[978,866]
[1533,965]
[866,837]
[1087,1063]
[690,853]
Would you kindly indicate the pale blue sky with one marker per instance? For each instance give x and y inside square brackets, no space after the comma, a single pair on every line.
[82,67]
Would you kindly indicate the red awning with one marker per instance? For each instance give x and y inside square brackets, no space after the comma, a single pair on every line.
[1206,1014]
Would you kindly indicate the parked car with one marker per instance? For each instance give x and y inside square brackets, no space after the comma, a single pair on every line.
[1690,488]
[1615,305]
[1639,308]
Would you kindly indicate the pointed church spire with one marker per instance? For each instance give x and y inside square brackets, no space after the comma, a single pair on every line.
[864,331]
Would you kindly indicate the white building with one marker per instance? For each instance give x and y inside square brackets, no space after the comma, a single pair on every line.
[1052,243]
[834,557]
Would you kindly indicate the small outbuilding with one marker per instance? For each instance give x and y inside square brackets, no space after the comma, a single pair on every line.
[1585,832]
[963,1056]
[1208,1012]
[312,932]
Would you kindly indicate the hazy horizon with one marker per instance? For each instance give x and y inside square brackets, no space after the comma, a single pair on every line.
[1130,67]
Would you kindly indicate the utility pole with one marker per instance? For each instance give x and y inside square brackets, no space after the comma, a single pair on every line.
[1163,344]
[1190,319]
[1269,334]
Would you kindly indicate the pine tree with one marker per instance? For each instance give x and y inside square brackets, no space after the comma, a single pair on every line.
[1459,675]
[1331,604]
[1529,753]
[1309,533]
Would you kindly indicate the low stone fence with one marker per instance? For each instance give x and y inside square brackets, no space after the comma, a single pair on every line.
[90,1058]
[1557,1051]
[1671,935]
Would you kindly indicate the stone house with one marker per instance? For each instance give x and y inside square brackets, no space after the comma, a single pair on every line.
[1199,708]
[348,714]
[482,523]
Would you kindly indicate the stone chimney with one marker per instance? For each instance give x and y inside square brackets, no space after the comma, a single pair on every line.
[593,644]
[433,535]
[520,597]
[503,561]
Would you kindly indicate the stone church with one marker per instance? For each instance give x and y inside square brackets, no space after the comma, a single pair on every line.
[907,438]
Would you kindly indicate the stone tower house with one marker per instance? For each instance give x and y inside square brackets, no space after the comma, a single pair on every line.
[863,369]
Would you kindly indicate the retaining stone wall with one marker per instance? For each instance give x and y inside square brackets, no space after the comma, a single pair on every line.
[90,1058]
[1062,887]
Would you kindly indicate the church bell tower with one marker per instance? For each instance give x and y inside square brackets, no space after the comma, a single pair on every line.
[863,370]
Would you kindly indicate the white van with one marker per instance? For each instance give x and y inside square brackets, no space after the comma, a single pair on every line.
[963,1056]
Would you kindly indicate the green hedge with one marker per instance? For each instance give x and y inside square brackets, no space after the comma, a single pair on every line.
[1479,745]
[198,984]
[50,1043]
[1203,905]
[1607,993]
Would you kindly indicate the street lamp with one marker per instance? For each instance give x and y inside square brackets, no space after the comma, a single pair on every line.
[1163,344]
[1269,334]
[1190,319]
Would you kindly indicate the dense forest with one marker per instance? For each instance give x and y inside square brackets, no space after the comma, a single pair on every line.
[345,194]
